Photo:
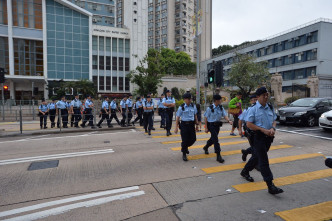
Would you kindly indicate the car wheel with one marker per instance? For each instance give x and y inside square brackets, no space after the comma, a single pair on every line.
[311,121]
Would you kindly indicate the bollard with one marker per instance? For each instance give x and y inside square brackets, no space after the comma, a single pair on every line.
[95,116]
[59,119]
[21,122]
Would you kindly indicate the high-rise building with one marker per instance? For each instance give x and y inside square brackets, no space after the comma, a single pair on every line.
[170,25]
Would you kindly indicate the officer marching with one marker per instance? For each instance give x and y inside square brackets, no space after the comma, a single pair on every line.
[123,110]
[169,103]
[105,113]
[139,110]
[188,114]
[75,109]
[129,106]
[62,109]
[161,111]
[148,109]
[43,112]
[114,107]
[52,112]
[88,112]
[213,116]
[261,120]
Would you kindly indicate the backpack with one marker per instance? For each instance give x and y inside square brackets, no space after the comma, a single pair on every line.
[182,105]
[212,110]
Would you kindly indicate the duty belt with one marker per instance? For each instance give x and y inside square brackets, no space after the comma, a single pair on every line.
[217,123]
[187,122]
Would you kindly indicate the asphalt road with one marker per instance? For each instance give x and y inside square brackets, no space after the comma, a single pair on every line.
[122,175]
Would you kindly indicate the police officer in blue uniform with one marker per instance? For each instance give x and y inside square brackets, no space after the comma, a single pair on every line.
[62,108]
[187,112]
[169,103]
[162,112]
[88,112]
[213,115]
[114,108]
[148,109]
[43,112]
[105,113]
[139,110]
[123,110]
[261,120]
[75,109]
[129,105]
[52,112]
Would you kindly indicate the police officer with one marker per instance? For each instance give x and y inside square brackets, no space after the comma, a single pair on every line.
[149,94]
[75,109]
[129,105]
[188,114]
[169,103]
[123,110]
[161,111]
[43,112]
[148,109]
[88,112]
[114,107]
[242,122]
[105,113]
[213,116]
[261,120]
[139,110]
[52,112]
[62,109]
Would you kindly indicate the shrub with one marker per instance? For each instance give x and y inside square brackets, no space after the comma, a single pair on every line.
[290,100]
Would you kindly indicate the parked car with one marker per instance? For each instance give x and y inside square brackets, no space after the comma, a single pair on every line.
[325,121]
[305,111]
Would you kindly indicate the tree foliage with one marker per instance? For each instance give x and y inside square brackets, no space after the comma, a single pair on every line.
[247,74]
[224,48]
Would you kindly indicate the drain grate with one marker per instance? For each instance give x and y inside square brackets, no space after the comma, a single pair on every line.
[43,165]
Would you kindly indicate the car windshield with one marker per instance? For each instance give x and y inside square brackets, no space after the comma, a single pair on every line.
[304,103]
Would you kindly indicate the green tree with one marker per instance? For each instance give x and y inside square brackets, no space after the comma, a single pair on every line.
[247,74]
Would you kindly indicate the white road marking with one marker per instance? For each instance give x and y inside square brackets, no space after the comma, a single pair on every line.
[309,135]
[307,130]
[63,201]
[54,156]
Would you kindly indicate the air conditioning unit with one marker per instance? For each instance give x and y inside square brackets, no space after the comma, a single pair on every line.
[296,38]
[289,56]
[314,50]
[301,53]
[309,34]
[280,43]
[94,7]
[94,20]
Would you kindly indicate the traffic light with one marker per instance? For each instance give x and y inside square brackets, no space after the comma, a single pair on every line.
[5,88]
[2,75]
[211,76]
[219,74]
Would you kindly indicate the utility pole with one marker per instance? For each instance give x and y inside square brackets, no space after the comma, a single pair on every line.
[197,58]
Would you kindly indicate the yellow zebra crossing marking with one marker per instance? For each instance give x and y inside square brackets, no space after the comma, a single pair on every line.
[282,181]
[221,144]
[320,211]
[231,152]
[272,161]
[179,135]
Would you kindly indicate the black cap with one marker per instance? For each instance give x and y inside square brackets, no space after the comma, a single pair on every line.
[53,99]
[217,97]
[168,91]
[186,96]
[148,96]
[88,96]
[105,97]
[125,95]
[253,96]
[77,95]
[260,91]
[162,95]
[328,162]
[43,99]
[138,98]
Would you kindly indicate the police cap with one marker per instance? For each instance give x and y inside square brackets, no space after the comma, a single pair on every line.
[186,96]
[260,91]
[217,97]
[43,99]
[148,96]
[168,91]
[138,98]
[253,96]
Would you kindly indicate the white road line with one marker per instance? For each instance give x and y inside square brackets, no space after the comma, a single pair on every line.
[64,209]
[306,130]
[309,135]
[54,156]
[63,201]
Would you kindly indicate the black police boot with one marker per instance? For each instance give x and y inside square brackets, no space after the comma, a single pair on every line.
[205,148]
[168,133]
[93,127]
[219,158]
[110,126]
[153,128]
[244,173]
[184,157]
[98,125]
[45,127]
[71,124]
[244,154]
[41,127]
[273,189]
[82,125]
[149,132]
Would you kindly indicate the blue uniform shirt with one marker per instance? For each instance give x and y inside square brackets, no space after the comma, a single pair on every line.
[216,115]
[138,104]
[148,104]
[51,106]
[123,103]
[76,103]
[168,100]
[129,102]
[113,105]
[105,105]
[88,103]
[61,104]
[43,107]
[243,115]
[188,114]
[143,99]
[160,104]
[261,116]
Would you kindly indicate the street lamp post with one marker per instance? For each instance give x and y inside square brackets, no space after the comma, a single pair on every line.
[197,58]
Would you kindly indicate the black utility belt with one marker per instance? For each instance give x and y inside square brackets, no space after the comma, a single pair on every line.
[188,122]
[88,108]
[217,123]
[75,108]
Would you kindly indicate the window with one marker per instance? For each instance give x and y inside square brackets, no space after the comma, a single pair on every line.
[108,63]
[114,44]
[120,83]
[120,45]
[101,43]
[269,50]
[27,14]
[4,56]
[101,83]
[94,62]
[108,45]
[114,84]
[127,83]
[289,44]
[3,12]
[287,75]
[114,63]
[108,83]
[101,62]
[120,64]
[126,64]
[127,46]
[310,71]
[311,55]
[95,43]
[312,37]
[299,74]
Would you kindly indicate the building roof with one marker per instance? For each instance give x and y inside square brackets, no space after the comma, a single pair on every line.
[74,7]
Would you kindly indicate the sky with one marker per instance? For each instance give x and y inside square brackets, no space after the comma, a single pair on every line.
[237,21]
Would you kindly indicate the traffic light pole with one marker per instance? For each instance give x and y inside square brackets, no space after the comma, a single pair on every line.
[198,98]
[3,101]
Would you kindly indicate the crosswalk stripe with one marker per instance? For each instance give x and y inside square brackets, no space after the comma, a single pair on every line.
[320,211]
[272,161]
[231,152]
[282,181]
[179,135]
[221,144]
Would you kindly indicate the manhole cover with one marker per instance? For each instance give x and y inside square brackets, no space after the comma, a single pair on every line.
[43,165]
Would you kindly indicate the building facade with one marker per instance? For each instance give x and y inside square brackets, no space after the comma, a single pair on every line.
[296,54]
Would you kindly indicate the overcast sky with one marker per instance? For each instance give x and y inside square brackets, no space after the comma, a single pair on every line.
[236,21]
